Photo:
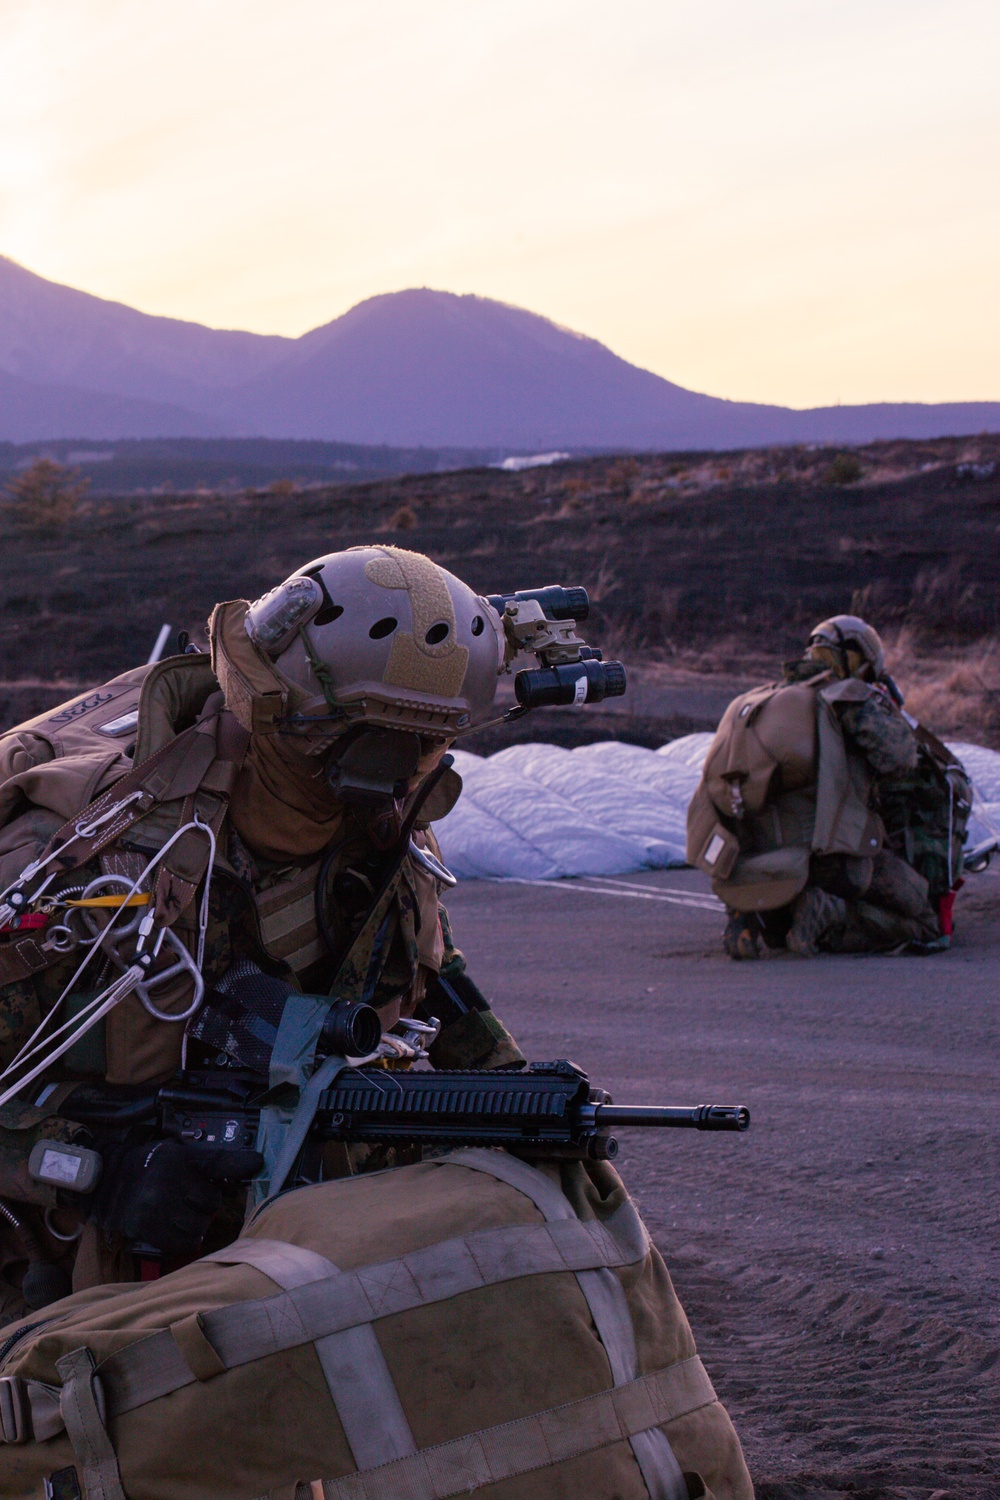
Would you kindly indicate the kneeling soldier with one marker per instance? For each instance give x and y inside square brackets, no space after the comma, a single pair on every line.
[828,818]
[197,839]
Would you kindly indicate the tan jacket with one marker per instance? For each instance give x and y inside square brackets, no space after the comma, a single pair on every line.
[780,783]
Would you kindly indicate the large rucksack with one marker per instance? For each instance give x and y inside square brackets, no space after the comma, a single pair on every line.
[778,785]
[466,1325]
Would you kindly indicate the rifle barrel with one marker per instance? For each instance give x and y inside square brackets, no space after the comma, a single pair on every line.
[693,1117]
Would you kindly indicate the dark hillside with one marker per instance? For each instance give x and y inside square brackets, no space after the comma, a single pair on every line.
[701,562]
[163,464]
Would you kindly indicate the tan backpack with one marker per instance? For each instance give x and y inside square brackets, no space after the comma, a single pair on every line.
[467,1324]
[779,763]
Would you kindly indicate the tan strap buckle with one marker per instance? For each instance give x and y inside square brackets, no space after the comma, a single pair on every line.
[14,1410]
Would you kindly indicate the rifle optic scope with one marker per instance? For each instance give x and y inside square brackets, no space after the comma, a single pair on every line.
[586,681]
[557,602]
[350,1029]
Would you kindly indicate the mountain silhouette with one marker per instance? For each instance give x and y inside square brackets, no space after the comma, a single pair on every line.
[417,367]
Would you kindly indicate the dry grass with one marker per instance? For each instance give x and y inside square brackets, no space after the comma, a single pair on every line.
[956,691]
[404,519]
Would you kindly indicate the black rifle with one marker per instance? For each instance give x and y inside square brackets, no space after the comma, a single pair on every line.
[548,1109]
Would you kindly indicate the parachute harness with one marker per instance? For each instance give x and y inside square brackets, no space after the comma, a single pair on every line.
[45,1047]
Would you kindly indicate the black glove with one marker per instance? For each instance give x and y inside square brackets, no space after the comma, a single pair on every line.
[165,1194]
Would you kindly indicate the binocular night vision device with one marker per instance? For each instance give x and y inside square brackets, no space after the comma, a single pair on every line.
[543,621]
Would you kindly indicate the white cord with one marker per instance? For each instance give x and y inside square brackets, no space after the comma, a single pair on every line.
[87,830]
[118,991]
[97,1007]
[203,913]
[81,831]
[83,1012]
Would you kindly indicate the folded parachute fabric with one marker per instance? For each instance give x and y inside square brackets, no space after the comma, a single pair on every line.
[539,812]
[622,804]
[532,831]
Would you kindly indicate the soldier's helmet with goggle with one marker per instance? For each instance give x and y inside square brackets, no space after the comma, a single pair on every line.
[851,646]
[383,637]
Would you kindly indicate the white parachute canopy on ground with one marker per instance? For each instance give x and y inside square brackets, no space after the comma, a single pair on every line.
[538,812]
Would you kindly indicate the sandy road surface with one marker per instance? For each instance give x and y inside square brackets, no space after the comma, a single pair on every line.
[840,1263]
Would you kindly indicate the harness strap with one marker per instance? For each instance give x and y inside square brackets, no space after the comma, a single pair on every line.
[608,1308]
[358,971]
[20,959]
[187,755]
[85,1428]
[244,1331]
[493,1454]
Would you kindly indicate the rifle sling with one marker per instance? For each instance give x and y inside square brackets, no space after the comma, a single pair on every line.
[354,977]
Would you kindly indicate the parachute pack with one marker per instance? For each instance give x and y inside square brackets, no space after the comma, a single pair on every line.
[518,1334]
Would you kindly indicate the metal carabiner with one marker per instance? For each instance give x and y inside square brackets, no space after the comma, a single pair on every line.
[60,939]
[185,964]
[93,921]
[431,864]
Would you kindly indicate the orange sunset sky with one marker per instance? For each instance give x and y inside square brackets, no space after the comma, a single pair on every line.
[787,200]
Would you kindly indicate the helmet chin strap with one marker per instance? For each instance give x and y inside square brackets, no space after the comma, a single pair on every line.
[842,649]
[321,672]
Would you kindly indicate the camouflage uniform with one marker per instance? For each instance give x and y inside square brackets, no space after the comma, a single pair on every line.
[295,745]
[852,904]
[390,968]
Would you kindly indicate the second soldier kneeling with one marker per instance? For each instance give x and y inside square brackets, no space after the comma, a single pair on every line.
[828,819]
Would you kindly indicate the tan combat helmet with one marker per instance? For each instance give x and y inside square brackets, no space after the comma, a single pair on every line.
[383,637]
[849,645]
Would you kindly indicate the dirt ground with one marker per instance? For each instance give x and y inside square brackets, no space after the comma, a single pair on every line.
[839,1263]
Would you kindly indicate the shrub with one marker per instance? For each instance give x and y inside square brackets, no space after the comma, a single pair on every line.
[844,469]
[46,496]
[404,519]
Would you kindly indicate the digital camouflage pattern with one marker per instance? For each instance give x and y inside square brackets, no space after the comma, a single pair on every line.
[858,905]
[379,959]
[926,813]
[878,731]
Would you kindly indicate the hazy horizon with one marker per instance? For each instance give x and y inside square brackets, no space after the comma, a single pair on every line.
[787,205]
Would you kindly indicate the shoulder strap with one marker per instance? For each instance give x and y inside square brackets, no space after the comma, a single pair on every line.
[357,972]
[936,748]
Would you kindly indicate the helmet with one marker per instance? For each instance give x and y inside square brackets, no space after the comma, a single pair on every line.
[384,637]
[837,639]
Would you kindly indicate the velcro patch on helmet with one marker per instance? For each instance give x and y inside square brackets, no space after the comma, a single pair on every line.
[408,667]
[421,661]
[430,598]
